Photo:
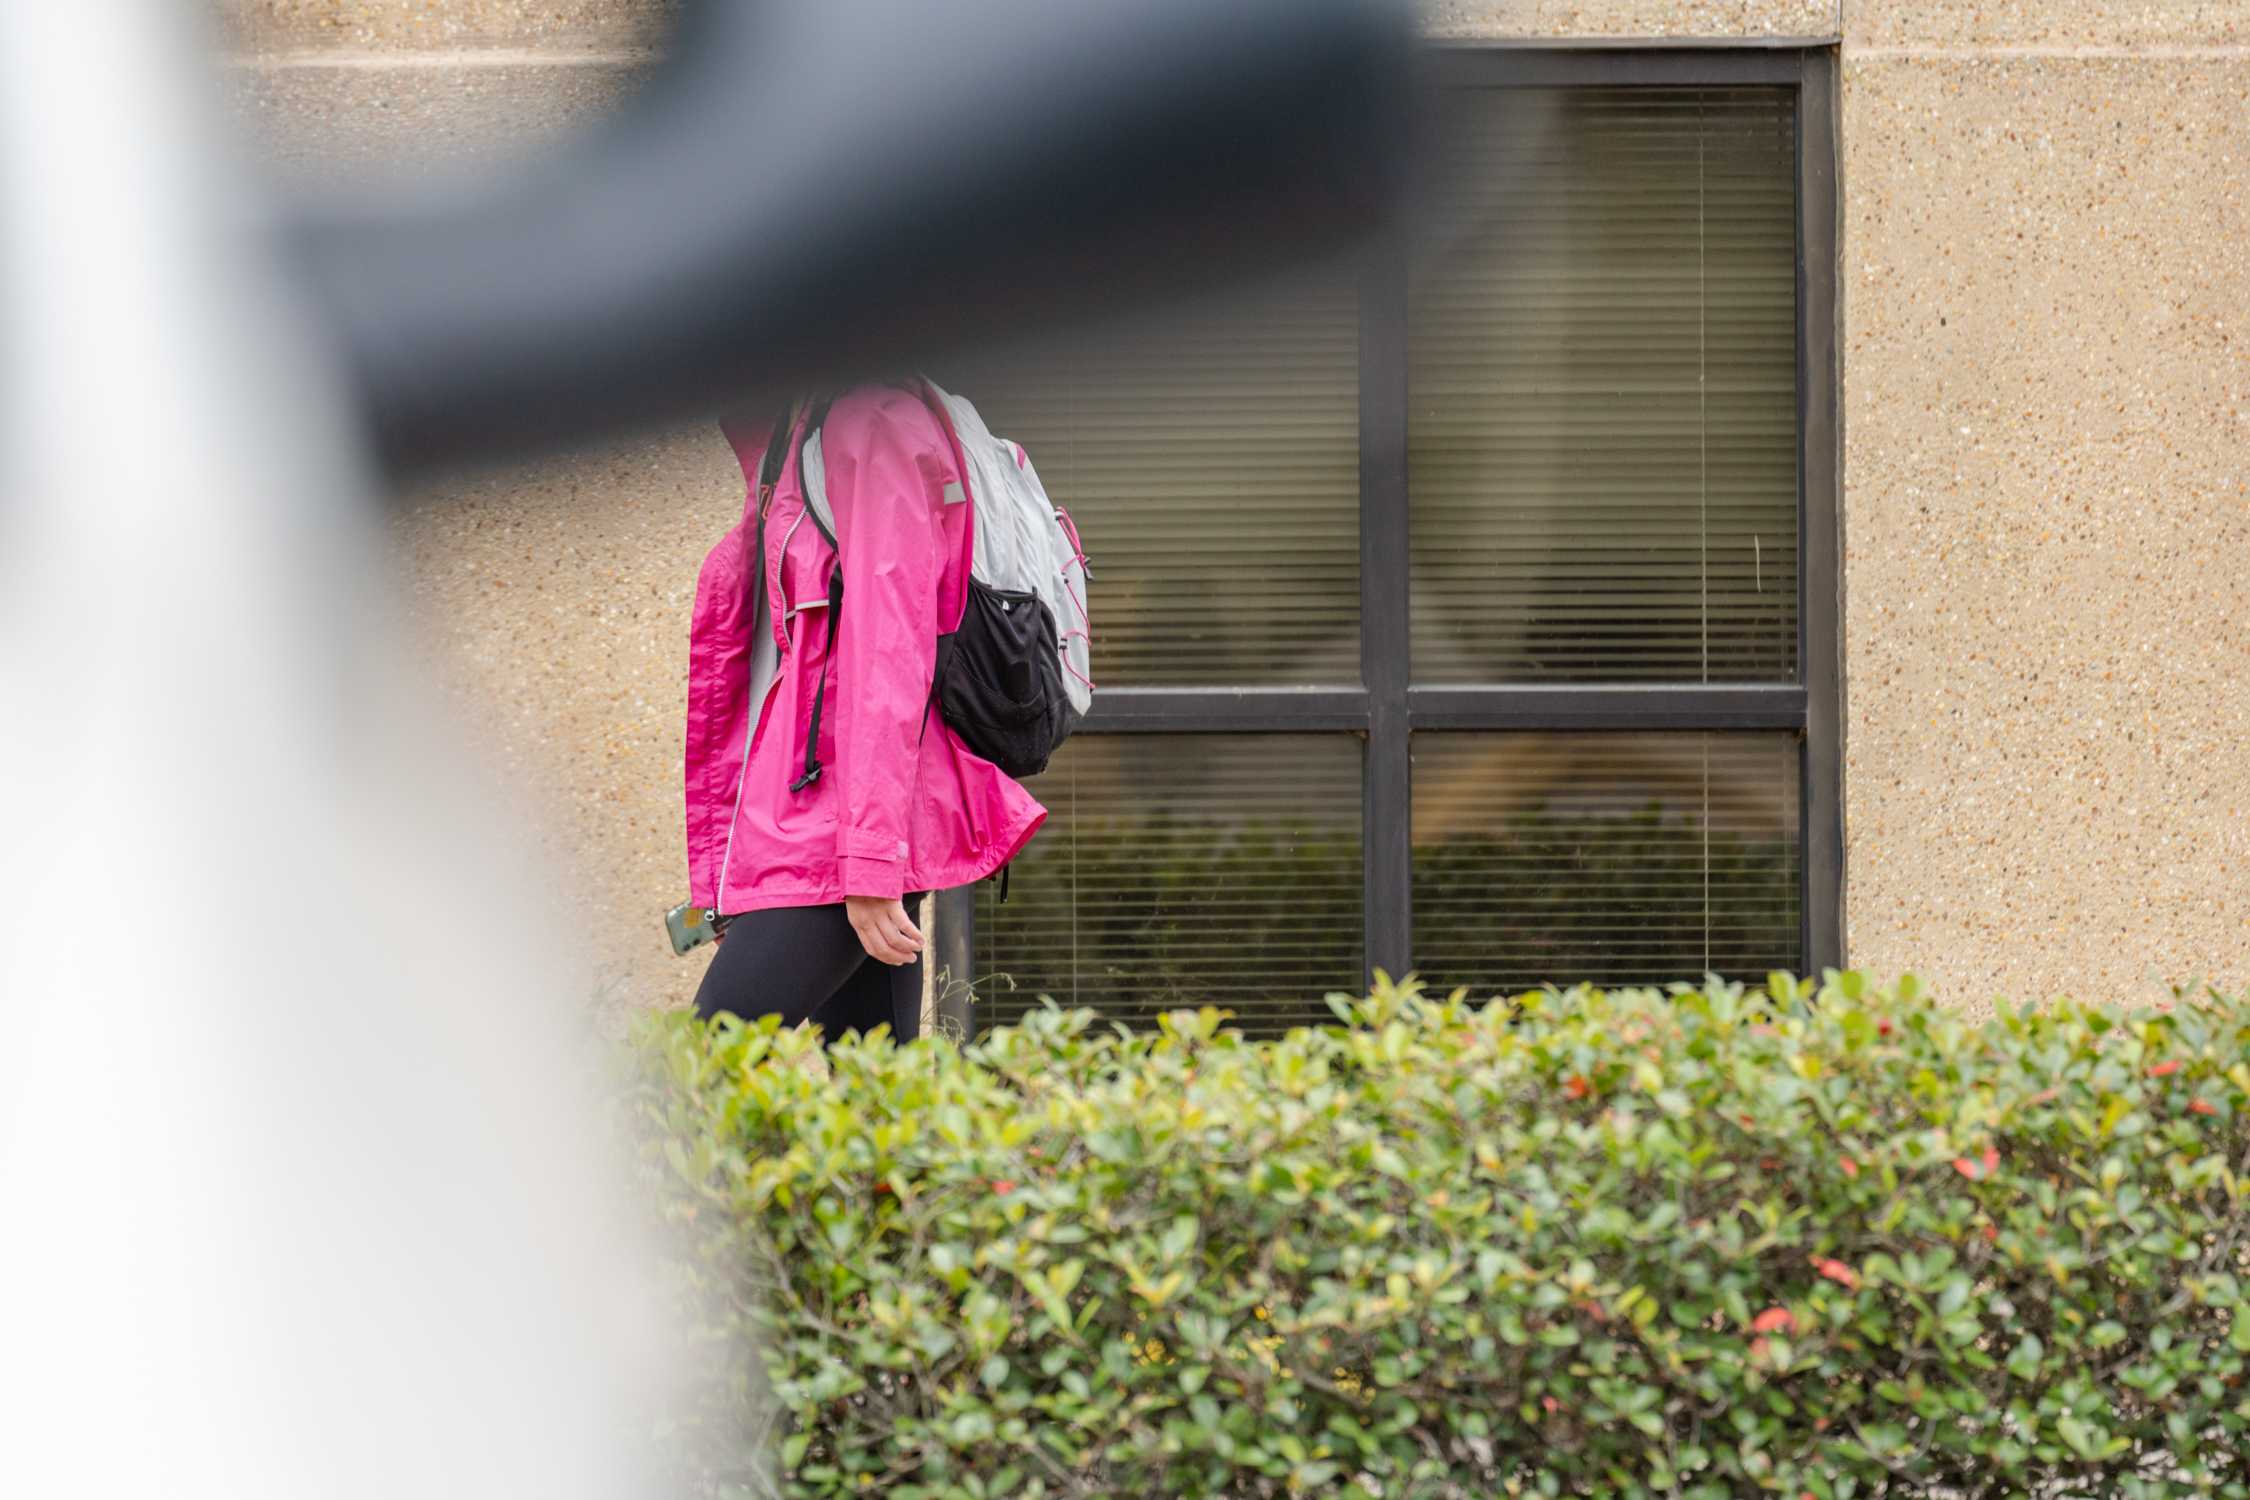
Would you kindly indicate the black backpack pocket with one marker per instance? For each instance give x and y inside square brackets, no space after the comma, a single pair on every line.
[999,681]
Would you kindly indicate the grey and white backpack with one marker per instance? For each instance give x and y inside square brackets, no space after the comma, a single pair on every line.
[1014,675]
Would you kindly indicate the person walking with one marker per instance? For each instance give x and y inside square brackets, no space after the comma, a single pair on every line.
[826,793]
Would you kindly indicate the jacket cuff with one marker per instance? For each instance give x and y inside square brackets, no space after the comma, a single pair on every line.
[884,879]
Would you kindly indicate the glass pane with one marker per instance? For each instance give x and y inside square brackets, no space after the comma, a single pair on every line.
[1606,858]
[1603,409]
[1211,461]
[1183,870]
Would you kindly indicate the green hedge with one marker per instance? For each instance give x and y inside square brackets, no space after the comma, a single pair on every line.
[1707,1243]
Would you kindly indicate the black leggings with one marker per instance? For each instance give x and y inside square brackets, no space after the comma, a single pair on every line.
[805,963]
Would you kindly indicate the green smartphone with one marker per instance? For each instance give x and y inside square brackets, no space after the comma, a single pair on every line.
[691,926]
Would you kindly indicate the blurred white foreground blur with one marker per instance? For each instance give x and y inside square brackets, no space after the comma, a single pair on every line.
[302,1188]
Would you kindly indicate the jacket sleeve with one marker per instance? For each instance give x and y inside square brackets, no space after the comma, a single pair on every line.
[718,717]
[886,490]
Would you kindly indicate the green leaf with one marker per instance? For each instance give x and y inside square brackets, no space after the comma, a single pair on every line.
[2089,1442]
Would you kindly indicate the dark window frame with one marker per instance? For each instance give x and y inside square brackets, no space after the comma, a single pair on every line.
[1388,709]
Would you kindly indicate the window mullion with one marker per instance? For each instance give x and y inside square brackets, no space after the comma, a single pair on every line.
[1820,647]
[1579,706]
[1385,608]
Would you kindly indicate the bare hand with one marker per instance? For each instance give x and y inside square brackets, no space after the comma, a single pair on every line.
[883,928]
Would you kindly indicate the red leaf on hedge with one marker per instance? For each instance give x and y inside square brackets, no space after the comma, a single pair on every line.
[1837,1271]
[1882,1028]
[1851,1168]
[1991,1233]
[2202,1107]
[1551,1404]
[1576,1086]
[1774,1318]
[1758,1348]
[1003,1186]
[2045,1095]
[2165,1069]
[1983,1167]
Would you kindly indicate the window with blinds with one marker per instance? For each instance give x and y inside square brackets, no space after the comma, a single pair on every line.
[1178,871]
[1211,461]
[1602,426]
[1583,467]
[1611,859]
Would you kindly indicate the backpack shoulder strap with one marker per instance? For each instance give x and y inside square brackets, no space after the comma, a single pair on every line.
[812,477]
[777,453]
[812,471]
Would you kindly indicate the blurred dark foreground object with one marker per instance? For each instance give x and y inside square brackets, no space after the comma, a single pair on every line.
[307,1190]
[810,191]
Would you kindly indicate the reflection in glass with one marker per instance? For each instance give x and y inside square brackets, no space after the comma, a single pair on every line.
[1602,399]
[1211,460]
[1611,859]
[1183,870]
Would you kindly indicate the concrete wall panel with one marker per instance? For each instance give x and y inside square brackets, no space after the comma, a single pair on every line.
[2045,25]
[390,25]
[2047,517]
[1700,20]
[553,599]
[419,25]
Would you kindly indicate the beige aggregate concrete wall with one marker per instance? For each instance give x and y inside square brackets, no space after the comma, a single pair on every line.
[553,599]
[618,24]
[411,25]
[2047,501]
[1958,26]
[1698,20]
[555,603]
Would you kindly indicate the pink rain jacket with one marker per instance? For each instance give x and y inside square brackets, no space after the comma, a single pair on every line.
[901,805]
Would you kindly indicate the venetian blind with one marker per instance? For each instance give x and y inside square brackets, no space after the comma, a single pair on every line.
[1211,460]
[1603,432]
[1614,858]
[1178,871]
